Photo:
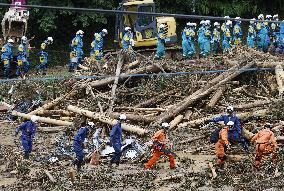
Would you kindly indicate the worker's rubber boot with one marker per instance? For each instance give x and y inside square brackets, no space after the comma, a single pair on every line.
[26,155]
[79,166]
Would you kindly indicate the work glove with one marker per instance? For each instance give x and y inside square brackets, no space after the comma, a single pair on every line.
[227,147]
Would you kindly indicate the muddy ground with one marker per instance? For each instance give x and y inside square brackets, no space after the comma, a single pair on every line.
[193,171]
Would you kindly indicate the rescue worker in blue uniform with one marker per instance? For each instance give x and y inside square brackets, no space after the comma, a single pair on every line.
[235,133]
[43,56]
[223,27]
[78,145]
[251,36]
[97,45]
[22,58]
[127,40]
[116,139]
[237,32]
[262,36]
[161,50]
[267,26]
[281,38]
[200,33]
[6,57]
[215,39]
[28,130]
[227,37]
[207,39]
[77,46]
[188,35]
[275,34]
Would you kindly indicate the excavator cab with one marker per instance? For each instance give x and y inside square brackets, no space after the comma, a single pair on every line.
[144,26]
[15,21]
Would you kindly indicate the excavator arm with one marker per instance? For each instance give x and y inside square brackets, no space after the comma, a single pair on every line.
[15,21]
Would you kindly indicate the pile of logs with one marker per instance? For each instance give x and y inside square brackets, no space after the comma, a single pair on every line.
[208,92]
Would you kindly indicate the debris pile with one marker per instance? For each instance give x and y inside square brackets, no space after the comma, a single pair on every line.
[185,93]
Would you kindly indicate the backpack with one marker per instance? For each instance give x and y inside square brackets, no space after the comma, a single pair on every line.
[214,137]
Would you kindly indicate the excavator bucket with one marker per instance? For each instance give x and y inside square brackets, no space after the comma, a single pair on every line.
[15,21]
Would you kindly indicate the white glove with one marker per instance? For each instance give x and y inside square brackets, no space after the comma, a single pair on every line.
[132,42]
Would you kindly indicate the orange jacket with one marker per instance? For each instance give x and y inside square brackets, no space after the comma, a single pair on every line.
[160,136]
[265,136]
[223,136]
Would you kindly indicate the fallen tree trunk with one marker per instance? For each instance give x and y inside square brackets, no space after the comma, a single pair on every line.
[51,129]
[133,64]
[279,78]
[43,119]
[54,112]
[132,117]
[258,103]
[117,73]
[176,121]
[140,109]
[107,120]
[269,64]
[109,80]
[218,81]
[215,98]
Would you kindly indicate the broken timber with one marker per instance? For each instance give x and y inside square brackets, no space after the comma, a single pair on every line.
[43,119]
[214,84]
[107,120]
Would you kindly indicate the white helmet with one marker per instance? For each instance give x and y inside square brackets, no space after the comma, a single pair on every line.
[230,109]
[165,125]
[202,22]
[79,32]
[127,29]
[238,18]
[226,17]
[34,118]
[260,17]
[194,24]
[207,22]
[268,16]
[10,40]
[229,23]
[216,24]
[50,39]
[252,21]
[162,26]
[275,17]
[104,31]
[91,124]
[189,24]
[24,38]
[122,117]
[230,123]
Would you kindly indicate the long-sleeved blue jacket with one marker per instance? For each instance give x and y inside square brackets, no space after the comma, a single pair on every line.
[28,129]
[116,134]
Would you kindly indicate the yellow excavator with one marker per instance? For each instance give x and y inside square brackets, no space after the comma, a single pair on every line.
[145,27]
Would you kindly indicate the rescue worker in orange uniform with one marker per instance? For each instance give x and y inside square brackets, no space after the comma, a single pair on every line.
[159,146]
[265,144]
[223,144]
